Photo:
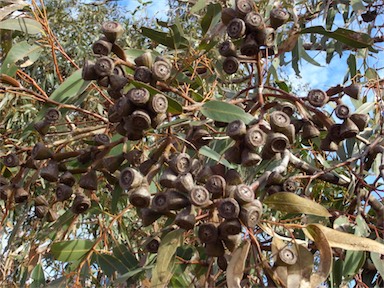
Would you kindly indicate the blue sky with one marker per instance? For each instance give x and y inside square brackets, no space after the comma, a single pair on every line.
[155,9]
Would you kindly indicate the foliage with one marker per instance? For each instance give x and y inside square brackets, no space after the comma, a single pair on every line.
[318,213]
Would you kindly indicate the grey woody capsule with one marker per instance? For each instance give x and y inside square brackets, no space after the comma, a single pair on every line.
[101,139]
[88,72]
[361,120]
[310,131]
[103,81]
[228,208]
[158,119]
[11,160]
[181,163]
[80,204]
[144,59]
[216,185]
[143,74]
[140,197]
[233,154]
[266,37]
[141,120]
[158,103]
[41,152]
[41,211]
[215,249]
[287,256]
[112,163]
[277,142]
[102,47]
[176,200]
[42,127]
[231,65]
[290,185]
[348,129]
[168,178]
[227,48]
[88,180]
[254,137]
[138,96]
[199,196]
[327,144]
[112,30]
[279,121]
[161,70]
[232,177]
[51,215]
[244,194]
[244,7]
[52,115]
[334,133]
[249,158]
[236,129]
[236,28]
[208,233]
[40,200]
[342,111]
[130,178]
[185,182]
[148,216]
[222,263]
[20,195]
[67,178]
[278,17]
[153,245]
[317,98]
[229,227]
[250,47]
[254,21]
[250,213]
[5,192]
[160,203]
[185,219]
[63,192]
[353,90]
[50,172]
[227,14]
[104,66]
[117,83]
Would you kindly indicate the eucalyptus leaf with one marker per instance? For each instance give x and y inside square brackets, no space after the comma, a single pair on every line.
[71,250]
[225,112]
[26,25]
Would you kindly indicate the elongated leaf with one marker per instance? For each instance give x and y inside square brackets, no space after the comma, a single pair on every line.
[4,11]
[38,277]
[200,4]
[211,18]
[225,112]
[21,54]
[69,91]
[125,256]
[371,74]
[236,265]
[365,108]
[351,61]
[71,250]
[378,261]
[110,264]
[208,152]
[347,241]
[349,37]
[26,25]
[292,203]
[164,268]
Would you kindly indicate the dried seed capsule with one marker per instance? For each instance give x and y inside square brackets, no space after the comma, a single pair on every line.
[51,216]
[80,204]
[236,129]
[168,178]
[102,47]
[208,233]
[42,127]
[140,120]
[231,65]
[180,163]
[138,96]
[233,154]
[160,203]
[158,103]
[244,194]
[216,185]
[117,83]
[123,108]
[101,139]
[278,17]
[348,129]
[250,47]
[353,90]
[309,131]
[176,200]
[227,14]
[112,30]
[5,192]
[290,185]
[111,164]
[41,152]
[153,245]
[41,211]
[103,81]
[254,21]
[88,180]
[244,7]
[249,158]
[250,213]
[185,219]
[185,182]
[215,249]
[52,115]
[104,66]
[317,98]
[266,37]
[11,160]
[68,179]
[327,144]
[222,262]
[275,178]
[287,256]
[200,196]
[20,195]
[254,137]
[279,121]
[63,192]
[134,157]
[161,70]
[140,197]
[236,28]
[361,120]
[342,111]
[229,227]
[40,200]
[144,59]
[334,133]
[130,178]
[199,137]
[143,74]
[158,119]
[50,172]
[227,48]
[228,208]
[277,142]
[88,72]
[148,216]
[232,177]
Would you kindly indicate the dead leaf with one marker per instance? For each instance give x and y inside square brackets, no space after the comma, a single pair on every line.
[236,265]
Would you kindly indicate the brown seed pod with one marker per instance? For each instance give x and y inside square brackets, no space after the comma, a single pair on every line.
[42,127]
[51,216]
[335,90]
[243,194]
[20,194]
[80,204]
[168,178]
[158,103]
[112,30]
[148,216]
[123,108]
[140,119]
[236,28]
[5,192]
[266,37]
[3,181]
[317,98]
[287,256]
[101,139]
[52,115]
[243,7]
[290,185]
[228,208]
[102,47]
[232,177]
[254,137]
[208,233]
[41,211]
[130,178]
[138,96]
[334,133]
[67,178]
[88,72]
[185,219]
[250,47]
[203,174]
[198,137]
[88,180]
[63,192]
[185,182]
[103,82]
[279,121]
[254,21]
[112,163]
[216,185]
[161,70]
[50,172]
[227,14]
[353,90]
[286,107]
[176,200]
[236,129]
[11,160]
[160,203]
[104,66]
[348,129]
[231,65]
[199,196]
[222,262]
[275,178]
[227,48]
[134,157]
[158,120]
[180,163]
[233,154]
[143,74]
[117,83]
[144,59]
[40,200]
[327,144]
[278,17]
[361,120]
[41,152]
[277,142]
[310,131]
[342,111]
[140,197]
[215,249]
[229,227]
[153,245]
[250,213]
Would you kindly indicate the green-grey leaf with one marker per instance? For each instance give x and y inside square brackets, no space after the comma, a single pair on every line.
[110,264]
[4,11]
[38,277]
[225,112]
[377,261]
[25,25]
[200,4]
[292,203]
[208,152]
[71,250]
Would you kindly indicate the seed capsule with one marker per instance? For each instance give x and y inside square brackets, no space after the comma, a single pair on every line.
[216,186]
[199,196]
[249,158]
[63,192]
[287,256]
[148,216]
[236,28]
[50,172]
[42,127]
[68,179]
[266,37]
[290,185]
[361,120]
[222,262]
[348,129]
[89,180]
[236,129]
[153,245]
[144,59]
[112,30]
[250,47]
[185,182]
[143,74]
[353,90]
[278,17]
[130,178]
[342,111]
[41,211]
[102,47]
[250,213]
[227,48]
[104,66]
[52,115]
[279,121]
[140,197]
[161,70]
[20,195]
[215,249]
[244,7]
[160,203]
[317,98]
[228,208]
[254,137]
[40,200]
[140,120]
[88,72]
[180,163]
[101,139]
[185,219]
[310,131]
[158,103]
[227,14]
[41,152]
[138,96]
[231,65]
[254,21]
[11,160]
[208,233]
[80,204]
[229,227]
[244,194]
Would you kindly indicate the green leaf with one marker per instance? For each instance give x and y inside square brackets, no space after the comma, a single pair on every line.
[70,90]
[110,264]
[26,25]
[377,260]
[283,85]
[354,260]
[365,108]
[349,37]
[4,11]
[173,106]
[351,61]
[292,203]
[71,250]
[21,54]
[125,256]
[225,112]
[38,277]
[200,4]
[165,264]
[208,152]
[371,74]
[211,18]
[166,39]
